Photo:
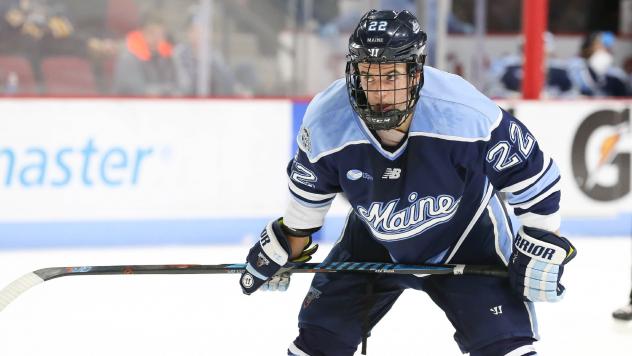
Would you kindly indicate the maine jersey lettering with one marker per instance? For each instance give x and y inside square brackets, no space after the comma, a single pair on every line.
[421,199]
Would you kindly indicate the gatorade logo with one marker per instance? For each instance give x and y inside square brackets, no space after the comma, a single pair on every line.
[600,159]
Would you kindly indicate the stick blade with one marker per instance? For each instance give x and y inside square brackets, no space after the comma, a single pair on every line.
[17,287]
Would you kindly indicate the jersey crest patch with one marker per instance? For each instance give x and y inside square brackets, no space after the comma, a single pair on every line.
[422,214]
[304,140]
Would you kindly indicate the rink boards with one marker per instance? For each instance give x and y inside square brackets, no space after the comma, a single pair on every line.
[182,171]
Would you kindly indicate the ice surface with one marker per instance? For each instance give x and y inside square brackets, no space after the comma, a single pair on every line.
[208,315]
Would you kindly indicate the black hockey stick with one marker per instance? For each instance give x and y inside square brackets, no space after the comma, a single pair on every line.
[24,283]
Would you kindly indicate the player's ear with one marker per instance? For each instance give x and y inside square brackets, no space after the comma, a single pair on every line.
[416,77]
[414,74]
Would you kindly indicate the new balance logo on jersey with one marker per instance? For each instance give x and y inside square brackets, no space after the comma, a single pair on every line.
[497,310]
[392,173]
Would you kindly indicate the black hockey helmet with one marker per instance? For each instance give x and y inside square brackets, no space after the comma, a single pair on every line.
[383,37]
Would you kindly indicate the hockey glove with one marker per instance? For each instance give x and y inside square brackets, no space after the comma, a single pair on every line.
[537,264]
[267,257]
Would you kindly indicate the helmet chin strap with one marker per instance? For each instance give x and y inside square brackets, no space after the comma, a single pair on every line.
[384,121]
[405,125]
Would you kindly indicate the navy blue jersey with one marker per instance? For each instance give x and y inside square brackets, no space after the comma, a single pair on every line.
[508,74]
[421,199]
[557,79]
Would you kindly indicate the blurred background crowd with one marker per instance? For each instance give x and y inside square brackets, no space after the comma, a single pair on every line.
[291,47]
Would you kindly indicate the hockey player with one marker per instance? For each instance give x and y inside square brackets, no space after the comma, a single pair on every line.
[421,156]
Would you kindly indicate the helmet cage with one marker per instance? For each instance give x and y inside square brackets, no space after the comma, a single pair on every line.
[384,115]
[385,38]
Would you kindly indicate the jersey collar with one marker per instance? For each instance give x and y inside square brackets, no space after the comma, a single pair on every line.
[376,143]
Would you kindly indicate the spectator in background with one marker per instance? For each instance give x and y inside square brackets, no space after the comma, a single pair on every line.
[34,29]
[145,64]
[593,72]
[39,28]
[506,74]
[29,25]
[187,62]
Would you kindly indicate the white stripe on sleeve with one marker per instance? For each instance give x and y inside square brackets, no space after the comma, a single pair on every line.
[298,216]
[522,350]
[549,222]
[307,195]
[295,351]
[539,198]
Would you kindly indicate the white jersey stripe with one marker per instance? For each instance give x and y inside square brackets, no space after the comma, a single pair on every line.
[496,234]
[460,138]
[301,217]
[314,197]
[334,150]
[377,145]
[310,205]
[532,319]
[539,198]
[469,227]
[295,351]
[507,218]
[522,350]
[549,222]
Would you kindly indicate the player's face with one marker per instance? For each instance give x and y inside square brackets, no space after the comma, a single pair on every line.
[387,86]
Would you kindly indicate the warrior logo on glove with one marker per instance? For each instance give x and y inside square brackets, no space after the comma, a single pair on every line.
[536,250]
[537,264]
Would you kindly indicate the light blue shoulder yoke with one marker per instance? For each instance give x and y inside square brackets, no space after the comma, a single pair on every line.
[329,123]
[451,108]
